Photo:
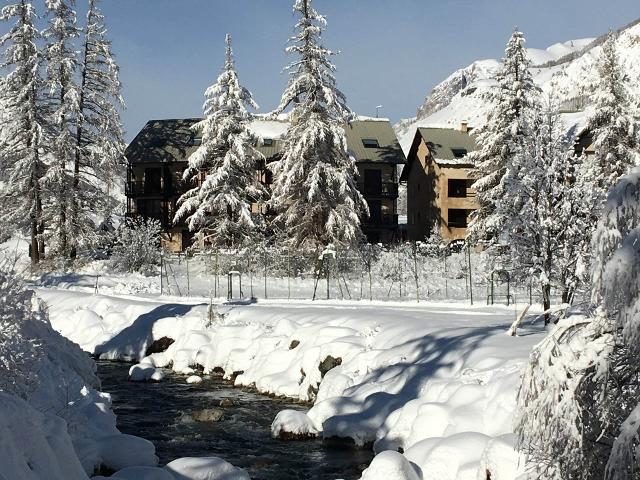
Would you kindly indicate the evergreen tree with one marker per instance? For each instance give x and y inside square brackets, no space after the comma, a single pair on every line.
[221,207]
[315,194]
[23,129]
[99,144]
[612,124]
[536,204]
[616,144]
[501,139]
[62,64]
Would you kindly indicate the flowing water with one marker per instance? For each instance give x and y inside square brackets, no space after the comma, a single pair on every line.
[161,412]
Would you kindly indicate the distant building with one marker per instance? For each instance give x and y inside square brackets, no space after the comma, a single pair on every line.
[158,156]
[437,175]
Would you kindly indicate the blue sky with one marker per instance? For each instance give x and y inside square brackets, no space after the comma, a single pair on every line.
[392,51]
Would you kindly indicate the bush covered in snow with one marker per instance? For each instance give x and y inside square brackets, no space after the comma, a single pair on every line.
[579,397]
[19,353]
[138,246]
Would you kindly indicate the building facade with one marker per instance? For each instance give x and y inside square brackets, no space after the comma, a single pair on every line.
[439,185]
[158,156]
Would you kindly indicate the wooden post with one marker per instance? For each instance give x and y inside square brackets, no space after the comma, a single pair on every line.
[470,274]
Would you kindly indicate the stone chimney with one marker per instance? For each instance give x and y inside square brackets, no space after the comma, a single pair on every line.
[464,127]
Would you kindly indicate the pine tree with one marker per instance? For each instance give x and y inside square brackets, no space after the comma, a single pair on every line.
[616,144]
[315,194]
[221,207]
[62,64]
[23,125]
[500,140]
[614,129]
[536,204]
[99,144]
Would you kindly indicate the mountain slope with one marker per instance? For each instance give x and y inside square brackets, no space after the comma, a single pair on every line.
[567,68]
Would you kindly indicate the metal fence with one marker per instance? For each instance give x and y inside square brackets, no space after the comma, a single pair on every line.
[404,272]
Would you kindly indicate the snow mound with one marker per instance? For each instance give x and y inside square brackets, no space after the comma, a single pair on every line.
[391,465]
[208,468]
[122,451]
[145,372]
[34,445]
[292,424]
[194,379]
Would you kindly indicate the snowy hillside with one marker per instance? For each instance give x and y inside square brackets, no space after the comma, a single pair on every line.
[565,68]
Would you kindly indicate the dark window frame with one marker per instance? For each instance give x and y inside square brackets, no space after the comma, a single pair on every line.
[460,222]
[370,143]
[459,152]
[457,188]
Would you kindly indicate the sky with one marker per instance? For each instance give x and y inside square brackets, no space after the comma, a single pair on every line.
[392,52]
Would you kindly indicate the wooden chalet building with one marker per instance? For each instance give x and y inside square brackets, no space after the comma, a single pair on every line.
[158,156]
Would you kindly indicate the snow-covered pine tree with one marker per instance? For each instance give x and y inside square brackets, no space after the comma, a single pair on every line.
[536,204]
[500,139]
[99,140]
[315,194]
[579,408]
[62,64]
[615,133]
[613,126]
[220,208]
[22,125]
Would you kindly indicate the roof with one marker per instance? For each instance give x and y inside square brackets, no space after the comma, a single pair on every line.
[173,140]
[442,143]
[163,141]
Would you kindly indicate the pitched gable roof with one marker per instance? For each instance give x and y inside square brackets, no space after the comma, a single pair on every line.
[442,143]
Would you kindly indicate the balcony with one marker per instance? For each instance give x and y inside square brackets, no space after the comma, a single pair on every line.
[384,190]
[136,189]
[381,221]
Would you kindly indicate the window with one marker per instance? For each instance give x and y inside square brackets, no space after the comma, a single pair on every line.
[459,152]
[457,188]
[152,181]
[197,141]
[267,142]
[372,182]
[370,143]
[458,218]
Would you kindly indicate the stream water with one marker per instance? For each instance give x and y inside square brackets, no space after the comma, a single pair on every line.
[160,412]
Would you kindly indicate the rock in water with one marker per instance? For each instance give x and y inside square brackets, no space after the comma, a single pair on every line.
[208,415]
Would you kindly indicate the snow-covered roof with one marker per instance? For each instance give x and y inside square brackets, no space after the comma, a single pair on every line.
[172,140]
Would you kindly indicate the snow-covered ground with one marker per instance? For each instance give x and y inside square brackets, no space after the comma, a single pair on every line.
[437,381]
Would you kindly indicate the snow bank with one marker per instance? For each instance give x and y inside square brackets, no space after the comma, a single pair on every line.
[292,424]
[121,451]
[209,468]
[34,445]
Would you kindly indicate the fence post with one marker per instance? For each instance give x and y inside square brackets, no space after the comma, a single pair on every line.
[288,273]
[265,272]
[470,274]
[186,259]
[415,268]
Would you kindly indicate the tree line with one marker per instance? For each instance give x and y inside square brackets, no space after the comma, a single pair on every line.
[61,137]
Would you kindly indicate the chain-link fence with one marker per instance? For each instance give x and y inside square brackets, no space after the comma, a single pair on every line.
[403,272]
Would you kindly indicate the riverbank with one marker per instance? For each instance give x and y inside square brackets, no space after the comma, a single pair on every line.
[436,380]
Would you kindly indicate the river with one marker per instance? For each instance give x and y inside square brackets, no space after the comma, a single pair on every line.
[161,413]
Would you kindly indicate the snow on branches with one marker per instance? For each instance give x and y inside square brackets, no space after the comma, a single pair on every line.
[219,206]
[579,395]
[315,193]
